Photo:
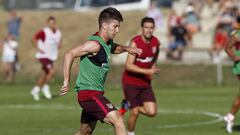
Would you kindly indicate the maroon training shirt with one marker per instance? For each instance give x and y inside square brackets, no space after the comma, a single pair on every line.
[145,60]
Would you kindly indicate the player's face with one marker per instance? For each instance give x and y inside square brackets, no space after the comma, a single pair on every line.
[147,29]
[112,28]
[52,24]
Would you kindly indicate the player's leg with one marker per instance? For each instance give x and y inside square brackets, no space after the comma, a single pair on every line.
[88,124]
[131,94]
[41,80]
[149,106]
[132,120]
[6,67]
[235,106]
[100,108]
[36,89]
[49,71]
[149,109]
[45,87]
[229,118]
[130,98]
[12,72]
[125,103]
[49,75]
[124,107]
[86,128]
[115,119]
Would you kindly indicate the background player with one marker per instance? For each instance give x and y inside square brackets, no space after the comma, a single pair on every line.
[138,74]
[234,43]
[9,47]
[47,41]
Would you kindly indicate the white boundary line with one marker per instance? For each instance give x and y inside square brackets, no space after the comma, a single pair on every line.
[36,106]
[218,117]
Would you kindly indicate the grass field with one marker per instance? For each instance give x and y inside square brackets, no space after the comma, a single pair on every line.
[182,111]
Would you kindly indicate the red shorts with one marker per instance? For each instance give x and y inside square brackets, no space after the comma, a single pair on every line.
[138,95]
[46,64]
[95,109]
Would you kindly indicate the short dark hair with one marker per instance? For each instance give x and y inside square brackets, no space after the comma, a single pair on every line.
[147,19]
[109,13]
[51,18]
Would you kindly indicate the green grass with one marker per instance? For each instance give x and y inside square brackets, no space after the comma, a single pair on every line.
[20,115]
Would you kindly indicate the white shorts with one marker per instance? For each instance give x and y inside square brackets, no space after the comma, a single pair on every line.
[9,58]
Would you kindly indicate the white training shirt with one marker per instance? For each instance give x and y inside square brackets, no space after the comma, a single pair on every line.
[9,48]
[50,45]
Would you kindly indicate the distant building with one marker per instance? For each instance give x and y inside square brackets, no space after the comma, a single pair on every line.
[81,5]
[38,4]
[85,5]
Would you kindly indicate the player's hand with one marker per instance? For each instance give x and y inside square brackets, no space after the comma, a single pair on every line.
[153,71]
[64,89]
[135,51]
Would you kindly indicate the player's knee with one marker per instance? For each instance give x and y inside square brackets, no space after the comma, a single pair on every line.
[51,71]
[118,121]
[151,112]
[115,118]
[134,113]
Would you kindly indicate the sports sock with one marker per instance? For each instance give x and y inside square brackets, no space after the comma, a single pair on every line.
[45,86]
[46,91]
[122,111]
[131,133]
[124,107]
[230,116]
[36,89]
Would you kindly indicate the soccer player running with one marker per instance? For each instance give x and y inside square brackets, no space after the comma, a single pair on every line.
[94,65]
[138,74]
[233,50]
[47,41]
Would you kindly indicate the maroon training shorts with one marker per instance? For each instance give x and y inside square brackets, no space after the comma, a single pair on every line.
[95,109]
[137,95]
[46,64]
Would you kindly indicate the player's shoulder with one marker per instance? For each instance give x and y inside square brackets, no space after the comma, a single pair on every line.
[92,43]
[136,38]
[45,29]
[155,40]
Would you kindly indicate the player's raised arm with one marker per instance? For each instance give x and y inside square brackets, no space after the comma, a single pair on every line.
[130,66]
[121,48]
[78,51]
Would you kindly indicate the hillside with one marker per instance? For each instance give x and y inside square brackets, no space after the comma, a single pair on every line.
[75,26]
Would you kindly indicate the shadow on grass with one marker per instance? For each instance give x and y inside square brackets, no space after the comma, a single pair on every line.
[53,97]
[236,128]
